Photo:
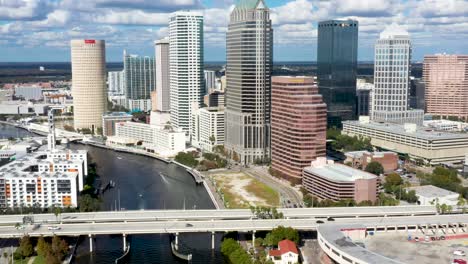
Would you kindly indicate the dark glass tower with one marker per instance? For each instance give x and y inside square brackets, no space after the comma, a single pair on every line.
[337,68]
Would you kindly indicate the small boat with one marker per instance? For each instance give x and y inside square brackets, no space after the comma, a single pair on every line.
[119,158]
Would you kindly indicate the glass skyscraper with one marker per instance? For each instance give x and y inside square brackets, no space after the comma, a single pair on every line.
[140,76]
[337,68]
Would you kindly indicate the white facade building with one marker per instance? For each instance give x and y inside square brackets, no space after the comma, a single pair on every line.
[163,140]
[390,102]
[163,96]
[143,105]
[187,85]
[208,128]
[115,83]
[431,195]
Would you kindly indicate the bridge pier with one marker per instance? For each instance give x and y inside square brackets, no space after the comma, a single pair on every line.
[177,240]
[253,239]
[124,236]
[213,240]
[90,243]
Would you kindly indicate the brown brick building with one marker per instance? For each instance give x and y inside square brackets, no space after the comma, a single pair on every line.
[298,125]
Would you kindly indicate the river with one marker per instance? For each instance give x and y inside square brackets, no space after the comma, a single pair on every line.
[144,183]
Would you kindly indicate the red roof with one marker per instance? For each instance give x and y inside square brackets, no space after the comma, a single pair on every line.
[274,253]
[286,246]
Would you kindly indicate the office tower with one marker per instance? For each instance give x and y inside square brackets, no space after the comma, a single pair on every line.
[187,84]
[392,67]
[140,76]
[364,92]
[417,93]
[446,78]
[115,80]
[210,80]
[163,96]
[248,82]
[298,125]
[88,83]
[215,99]
[337,68]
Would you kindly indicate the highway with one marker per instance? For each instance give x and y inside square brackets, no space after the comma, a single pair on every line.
[173,227]
[235,214]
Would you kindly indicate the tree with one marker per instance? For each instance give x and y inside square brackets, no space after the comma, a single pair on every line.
[26,248]
[375,167]
[187,159]
[57,211]
[281,233]
[42,247]
[87,203]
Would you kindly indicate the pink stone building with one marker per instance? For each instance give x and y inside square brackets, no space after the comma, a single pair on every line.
[446,79]
[298,125]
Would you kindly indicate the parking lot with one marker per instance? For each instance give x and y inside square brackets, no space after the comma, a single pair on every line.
[397,246]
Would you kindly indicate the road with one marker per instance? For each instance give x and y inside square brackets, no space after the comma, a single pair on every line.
[283,187]
[173,227]
[239,214]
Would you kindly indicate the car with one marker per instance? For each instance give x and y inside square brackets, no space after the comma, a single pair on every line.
[459,261]
[416,239]
[459,252]
[330,219]
[320,222]
[36,226]
[188,225]
[54,228]
[20,227]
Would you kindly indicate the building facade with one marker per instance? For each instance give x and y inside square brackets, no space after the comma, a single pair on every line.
[337,68]
[187,84]
[248,82]
[215,99]
[432,147]
[140,76]
[446,79]
[298,125]
[209,124]
[364,91]
[110,119]
[392,67]
[360,159]
[88,59]
[115,83]
[163,96]
[330,181]
[210,80]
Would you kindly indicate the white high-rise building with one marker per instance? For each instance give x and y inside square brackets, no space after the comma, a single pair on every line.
[163,96]
[187,85]
[88,59]
[390,102]
[208,127]
[210,80]
[115,81]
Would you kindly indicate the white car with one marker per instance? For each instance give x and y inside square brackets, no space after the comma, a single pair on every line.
[459,253]
[54,228]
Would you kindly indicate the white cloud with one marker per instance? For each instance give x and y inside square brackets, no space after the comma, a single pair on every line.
[23,9]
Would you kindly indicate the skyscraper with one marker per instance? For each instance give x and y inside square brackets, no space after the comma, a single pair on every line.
[163,96]
[88,58]
[337,68]
[210,80]
[298,125]
[115,80]
[248,82]
[446,79]
[187,84]
[392,66]
[140,76]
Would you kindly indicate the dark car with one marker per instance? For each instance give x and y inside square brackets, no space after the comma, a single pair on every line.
[319,222]
[330,219]
[188,225]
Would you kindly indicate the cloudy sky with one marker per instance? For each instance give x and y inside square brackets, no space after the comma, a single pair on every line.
[40,30]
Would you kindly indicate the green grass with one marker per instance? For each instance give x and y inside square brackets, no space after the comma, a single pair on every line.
[39,260]
[264,191]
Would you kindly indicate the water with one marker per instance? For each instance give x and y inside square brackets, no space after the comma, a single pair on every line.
[144,183]
[7,131]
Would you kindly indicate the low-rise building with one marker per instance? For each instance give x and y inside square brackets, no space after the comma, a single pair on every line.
[208,128]
[110,119]
[286,253]
[139,105]
[162,139]
[433,147]
[325,179]
[432,195]
[360,159]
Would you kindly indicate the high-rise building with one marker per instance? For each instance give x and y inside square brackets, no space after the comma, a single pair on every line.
[140,76]
[390,102]
[446,79]
[298,125]
[248,82]
[337,68]
[364,92]
[210,80]
[187,84]
[417,93]
[215,99]
[163,96]
[209,125]
[88,58]
[115,81]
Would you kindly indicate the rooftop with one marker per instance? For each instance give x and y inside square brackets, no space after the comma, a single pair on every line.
[250,4]
[338,172]
[430,191]
[286,246]
[421,132]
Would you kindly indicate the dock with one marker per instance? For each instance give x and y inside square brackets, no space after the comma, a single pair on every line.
[196,176]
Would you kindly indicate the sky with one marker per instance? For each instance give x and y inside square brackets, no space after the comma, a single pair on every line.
[40,30]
